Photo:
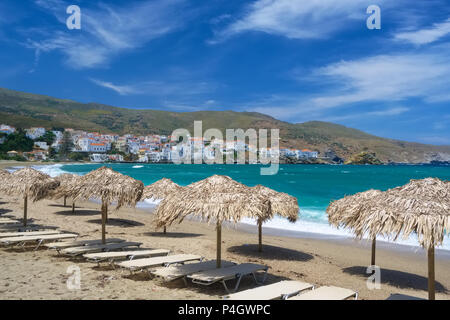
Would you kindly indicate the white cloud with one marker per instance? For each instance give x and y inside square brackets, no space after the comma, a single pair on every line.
[109,31]
[391,112]
[122,90]
[299,19]
[425,36]
[385,78]
[172,88]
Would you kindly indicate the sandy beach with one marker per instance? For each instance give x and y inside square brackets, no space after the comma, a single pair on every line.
[42,274]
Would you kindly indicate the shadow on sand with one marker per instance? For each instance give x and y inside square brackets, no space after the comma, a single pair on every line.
[78,212]
[3,211]
[270,252]
[124,223]
[397,278]
[69,205]
[172,234]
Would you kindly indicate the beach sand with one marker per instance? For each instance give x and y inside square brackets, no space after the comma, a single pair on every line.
[43,274]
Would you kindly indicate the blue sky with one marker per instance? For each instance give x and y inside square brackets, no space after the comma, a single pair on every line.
[296,60]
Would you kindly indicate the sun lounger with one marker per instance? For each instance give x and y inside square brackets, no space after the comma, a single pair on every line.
[8,221]
[38,238]
[327,293]
[79,243]
[30,233]
[76,251]
[176,272]
[275,291]
[222,275]
[19,227]
[143,264]
[121,255]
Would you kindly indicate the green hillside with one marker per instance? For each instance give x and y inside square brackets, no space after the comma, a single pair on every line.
[25,110]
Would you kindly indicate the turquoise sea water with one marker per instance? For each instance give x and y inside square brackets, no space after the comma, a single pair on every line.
[313,185]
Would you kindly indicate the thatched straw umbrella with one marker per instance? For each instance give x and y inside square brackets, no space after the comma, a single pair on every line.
[281,204]
[31,184]
[421,207]
[161,189]
[217,198]
[346,212]
[66,179]
[4,174]
[108,186]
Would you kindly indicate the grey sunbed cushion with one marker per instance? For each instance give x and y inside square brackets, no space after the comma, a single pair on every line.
[37,237]
[272,291]
[79,243]
[99,248]
[30,233]
[176,272]
[100,256]
[326,293]
[20,227]
[157,261]
[215,275]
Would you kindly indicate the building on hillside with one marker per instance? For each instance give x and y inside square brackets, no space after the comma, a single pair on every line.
[115,157]
[36,155]
[98,147]
[166,154]
[153,156]
[98,157]
[306,153]
[42,145]
[12,153]
[4,128]
[34,133]
[58,138]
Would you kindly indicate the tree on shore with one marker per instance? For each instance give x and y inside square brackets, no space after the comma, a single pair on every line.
[17,141]
[66,146]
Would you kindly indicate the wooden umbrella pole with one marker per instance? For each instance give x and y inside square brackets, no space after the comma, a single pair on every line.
[25,209]
[259,235]
[65,199]
[106,212]
[73,207]
[219,244]
[103,223]
[165,230]
[431,279]
[374,244]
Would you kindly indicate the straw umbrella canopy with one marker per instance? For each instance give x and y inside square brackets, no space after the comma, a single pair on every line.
[4,174]
[66,179]
[31,184]
[161,189]
[281,204]
[421,207]
[218,199]
[108,186]
[347,213]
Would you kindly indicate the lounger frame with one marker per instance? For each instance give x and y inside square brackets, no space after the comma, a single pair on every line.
[238,277]
[39,241]
[106,249]
[130,257]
